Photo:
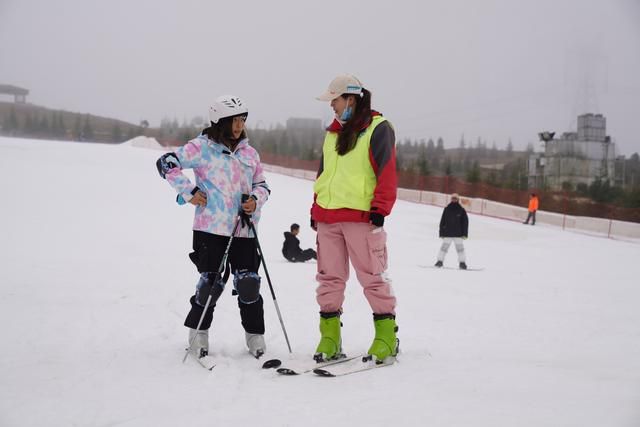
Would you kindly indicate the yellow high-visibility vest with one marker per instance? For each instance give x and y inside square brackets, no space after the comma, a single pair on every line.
[347,181]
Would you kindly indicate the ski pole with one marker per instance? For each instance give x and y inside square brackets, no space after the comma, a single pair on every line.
[218,275]
[273,295]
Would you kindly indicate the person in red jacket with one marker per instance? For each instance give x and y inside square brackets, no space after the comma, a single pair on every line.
[355,190]
[533,208]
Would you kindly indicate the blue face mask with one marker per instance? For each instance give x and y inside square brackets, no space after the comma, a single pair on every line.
[346,114]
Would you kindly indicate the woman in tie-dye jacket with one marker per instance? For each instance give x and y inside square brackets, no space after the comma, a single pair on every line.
[226,167]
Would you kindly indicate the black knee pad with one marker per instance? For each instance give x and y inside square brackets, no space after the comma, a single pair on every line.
[247,285]
[210,283]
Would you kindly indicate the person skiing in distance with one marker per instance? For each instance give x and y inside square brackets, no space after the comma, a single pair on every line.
[226,167]
[355,190]
[532,208]
[291,246]
[454,228]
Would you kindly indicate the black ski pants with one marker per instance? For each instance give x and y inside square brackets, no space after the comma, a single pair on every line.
[532,217]
[303,256]
[208,251]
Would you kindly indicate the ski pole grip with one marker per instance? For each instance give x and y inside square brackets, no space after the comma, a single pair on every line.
[245,216]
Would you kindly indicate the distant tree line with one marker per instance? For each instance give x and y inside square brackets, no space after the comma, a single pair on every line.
[56,124]
[424,157]
[603,192]
[474,163]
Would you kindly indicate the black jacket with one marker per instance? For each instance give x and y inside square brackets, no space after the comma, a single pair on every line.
[454,221]
[291,246]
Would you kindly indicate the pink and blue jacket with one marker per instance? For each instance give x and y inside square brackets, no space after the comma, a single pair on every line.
[224,176]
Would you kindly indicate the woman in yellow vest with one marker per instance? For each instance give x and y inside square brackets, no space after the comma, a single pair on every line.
[354,191]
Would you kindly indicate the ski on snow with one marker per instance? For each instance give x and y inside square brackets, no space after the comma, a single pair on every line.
[298,367]
[332,368]
[207,362]
[360,365]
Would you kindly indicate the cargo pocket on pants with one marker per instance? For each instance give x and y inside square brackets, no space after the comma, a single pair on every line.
[377,243]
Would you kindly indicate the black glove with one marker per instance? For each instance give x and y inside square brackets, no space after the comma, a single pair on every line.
[313,225]
[376,219]
[245,218]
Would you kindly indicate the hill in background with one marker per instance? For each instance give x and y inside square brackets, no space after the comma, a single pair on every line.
[34,121]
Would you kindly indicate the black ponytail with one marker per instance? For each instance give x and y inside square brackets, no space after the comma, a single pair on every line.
[348,136]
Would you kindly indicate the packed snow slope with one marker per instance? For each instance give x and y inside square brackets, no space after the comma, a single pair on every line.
[95,281]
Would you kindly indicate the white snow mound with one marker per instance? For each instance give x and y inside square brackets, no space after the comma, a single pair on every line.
[144,142]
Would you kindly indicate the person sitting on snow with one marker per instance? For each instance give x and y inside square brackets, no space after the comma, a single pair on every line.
[291,247]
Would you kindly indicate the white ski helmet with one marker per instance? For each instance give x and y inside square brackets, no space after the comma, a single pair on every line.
[227,106]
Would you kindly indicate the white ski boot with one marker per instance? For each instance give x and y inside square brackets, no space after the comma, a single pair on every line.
[256,345]
[199,341]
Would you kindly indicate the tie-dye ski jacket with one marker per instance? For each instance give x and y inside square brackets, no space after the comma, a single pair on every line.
[223,175]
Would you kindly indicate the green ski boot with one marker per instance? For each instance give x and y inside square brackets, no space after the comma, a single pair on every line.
[330,347]
[385,344]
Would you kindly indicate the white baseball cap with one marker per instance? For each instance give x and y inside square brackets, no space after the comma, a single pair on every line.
[344,83]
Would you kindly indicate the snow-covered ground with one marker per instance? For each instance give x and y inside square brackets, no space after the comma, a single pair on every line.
[95,281]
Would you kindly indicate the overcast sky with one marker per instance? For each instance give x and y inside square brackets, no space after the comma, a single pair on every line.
[483,68]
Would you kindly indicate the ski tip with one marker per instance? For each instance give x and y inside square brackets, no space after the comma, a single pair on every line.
[323,372]
[207,362]
[286,371]
[271,363]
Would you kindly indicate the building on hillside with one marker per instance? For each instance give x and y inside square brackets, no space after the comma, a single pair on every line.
[576,157]
[19,94]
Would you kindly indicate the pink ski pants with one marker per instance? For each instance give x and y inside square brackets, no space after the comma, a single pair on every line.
[365,246]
